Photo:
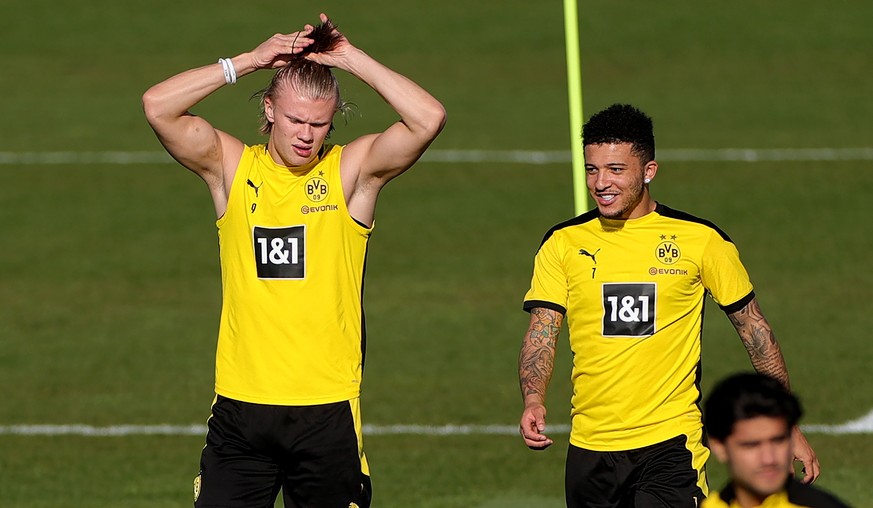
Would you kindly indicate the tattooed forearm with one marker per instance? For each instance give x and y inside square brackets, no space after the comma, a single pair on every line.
[537,357]
[760,343]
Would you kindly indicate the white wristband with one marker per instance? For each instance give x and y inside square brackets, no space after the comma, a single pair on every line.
[229,70]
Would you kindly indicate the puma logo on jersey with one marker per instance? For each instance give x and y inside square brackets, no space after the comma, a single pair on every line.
[583,252]
[257,189]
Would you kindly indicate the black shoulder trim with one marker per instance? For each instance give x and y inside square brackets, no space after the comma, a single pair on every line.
[575,221]
[807,495]
[530,305]
[739,304]
[676,214]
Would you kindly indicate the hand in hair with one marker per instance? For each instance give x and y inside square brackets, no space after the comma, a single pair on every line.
[280,49]
[329,47]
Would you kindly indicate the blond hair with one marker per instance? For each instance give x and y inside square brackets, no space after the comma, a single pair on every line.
[308,79]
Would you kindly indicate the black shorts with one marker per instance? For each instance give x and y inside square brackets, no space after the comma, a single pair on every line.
[313,453]
[663,475]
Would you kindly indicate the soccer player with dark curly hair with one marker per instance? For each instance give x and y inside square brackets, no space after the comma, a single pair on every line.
[294,218]
[749,419]
[630,276]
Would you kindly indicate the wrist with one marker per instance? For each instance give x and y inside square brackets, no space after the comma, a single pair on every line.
[354,62]
[229,70]
[241,64]
[533,400]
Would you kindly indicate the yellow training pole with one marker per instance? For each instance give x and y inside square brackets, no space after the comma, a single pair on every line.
[574,84]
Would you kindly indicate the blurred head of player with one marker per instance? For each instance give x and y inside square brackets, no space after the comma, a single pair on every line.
[749,419]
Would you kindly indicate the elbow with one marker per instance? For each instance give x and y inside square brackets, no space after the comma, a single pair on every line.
[151,106]
[435,120]
[439,117]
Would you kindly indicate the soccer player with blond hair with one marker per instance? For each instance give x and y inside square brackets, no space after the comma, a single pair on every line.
[294,218]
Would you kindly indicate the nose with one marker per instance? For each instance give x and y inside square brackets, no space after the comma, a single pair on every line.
[769,454]
[305,133]
[600,180]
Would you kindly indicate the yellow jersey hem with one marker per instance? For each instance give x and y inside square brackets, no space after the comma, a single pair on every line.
[289,401]
[620,444]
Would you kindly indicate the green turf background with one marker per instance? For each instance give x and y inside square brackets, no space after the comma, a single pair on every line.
[109,288]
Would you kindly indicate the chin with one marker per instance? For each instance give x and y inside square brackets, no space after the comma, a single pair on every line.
[767,488]
[610,213]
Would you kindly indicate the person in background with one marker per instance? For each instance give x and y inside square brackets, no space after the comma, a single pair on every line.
[749,419]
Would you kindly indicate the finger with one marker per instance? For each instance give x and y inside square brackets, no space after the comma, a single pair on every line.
[813,470]
[532,432]
[315,57]
[298,43]
[532,438]
[538,444]
[528,432]
[806,478]
[810,470]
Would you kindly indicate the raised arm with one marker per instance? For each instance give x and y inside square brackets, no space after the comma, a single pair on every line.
[193,141]
[766,357]
[536,362]
[370,161]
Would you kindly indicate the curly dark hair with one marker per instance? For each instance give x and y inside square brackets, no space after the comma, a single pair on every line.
[622,123]
[744,396]
[311,80]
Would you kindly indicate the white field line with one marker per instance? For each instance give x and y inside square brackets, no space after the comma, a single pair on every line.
[863,425]
[535,157]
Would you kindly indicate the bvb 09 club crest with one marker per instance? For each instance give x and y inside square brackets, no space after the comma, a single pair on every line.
[316,189]
[668,253]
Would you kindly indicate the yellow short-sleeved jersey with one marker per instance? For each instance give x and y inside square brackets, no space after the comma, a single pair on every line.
[292,266]
[633,295]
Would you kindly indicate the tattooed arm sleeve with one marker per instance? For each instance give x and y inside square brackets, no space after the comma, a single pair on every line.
[760,343]
[537,357]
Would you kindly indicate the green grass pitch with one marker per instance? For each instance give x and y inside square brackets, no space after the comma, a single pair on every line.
[109,283]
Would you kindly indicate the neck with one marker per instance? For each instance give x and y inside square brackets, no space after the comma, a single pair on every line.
[644,207]
[748,499]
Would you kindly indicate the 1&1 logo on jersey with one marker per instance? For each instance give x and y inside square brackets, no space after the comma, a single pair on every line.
[280,253]
[629,309]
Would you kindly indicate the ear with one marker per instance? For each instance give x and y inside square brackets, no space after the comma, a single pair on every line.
[718,449]
[651,170]
[268,109]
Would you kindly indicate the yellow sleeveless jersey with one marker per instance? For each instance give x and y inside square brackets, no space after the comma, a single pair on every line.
[633,295]
[292,268]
